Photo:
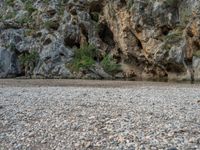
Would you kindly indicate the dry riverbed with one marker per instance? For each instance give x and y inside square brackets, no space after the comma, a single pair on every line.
[104,115]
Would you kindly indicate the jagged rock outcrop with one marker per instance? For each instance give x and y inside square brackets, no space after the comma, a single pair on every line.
[146,39]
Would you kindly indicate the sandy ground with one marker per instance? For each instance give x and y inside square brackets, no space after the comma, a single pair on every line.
[83,114]
[87,83]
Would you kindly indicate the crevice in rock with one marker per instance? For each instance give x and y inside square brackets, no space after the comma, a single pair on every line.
[133,60]
[95,7]
[138,28]
[84,31]
[61,54]
[73,12]
[171,67]
[118,57]
[139,44]
[51,12]
[106,35]
[71,42]
[95,10]
[189,33]
[165,30]
[123,2]
[94,16]
[47,41]
[196,44]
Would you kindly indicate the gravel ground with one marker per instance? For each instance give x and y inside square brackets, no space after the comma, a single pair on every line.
[137,116]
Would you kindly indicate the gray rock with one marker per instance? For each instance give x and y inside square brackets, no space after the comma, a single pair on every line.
[9,65]
[53,60]
[98,70]
[196,66]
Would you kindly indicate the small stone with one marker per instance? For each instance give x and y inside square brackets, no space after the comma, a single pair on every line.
[88,145]
[172,148]
[198,141]
[43,141]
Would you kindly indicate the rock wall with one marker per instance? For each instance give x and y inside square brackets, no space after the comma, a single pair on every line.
[147,39]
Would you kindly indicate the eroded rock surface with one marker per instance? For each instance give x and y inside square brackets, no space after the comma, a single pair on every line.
[148,39]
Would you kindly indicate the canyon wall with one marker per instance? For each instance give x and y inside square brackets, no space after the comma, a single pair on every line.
[100,39]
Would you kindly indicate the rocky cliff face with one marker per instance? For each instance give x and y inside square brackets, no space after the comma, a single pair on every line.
[146,39]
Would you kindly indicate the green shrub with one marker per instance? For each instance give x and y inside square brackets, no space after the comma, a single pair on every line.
[29,7]
[11,46]
[95,16]
[130,4]
[29,59]
[10,2]
[197,53]
[109,65]
[84,57]
[174,36]
[29,32]
[9,15]
[171,39]
[45,1]
[172,2]
[25,20]
[185,16]
[51,25]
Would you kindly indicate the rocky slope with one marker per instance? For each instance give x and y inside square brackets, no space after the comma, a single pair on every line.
[146,39]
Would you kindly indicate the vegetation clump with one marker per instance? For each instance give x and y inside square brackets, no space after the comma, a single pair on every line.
[28,61]
[29,6]
[197,53]
[95,16]
[84,57]
[172,2]
[130,4]
[10,2]
[172,38]
[51,25]
[109,65]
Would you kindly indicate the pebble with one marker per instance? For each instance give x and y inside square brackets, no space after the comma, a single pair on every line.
[161,117]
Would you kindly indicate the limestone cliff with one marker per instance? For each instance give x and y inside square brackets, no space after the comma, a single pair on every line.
[134,39]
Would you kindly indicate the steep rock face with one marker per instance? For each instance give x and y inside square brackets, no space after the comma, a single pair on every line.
[151,39]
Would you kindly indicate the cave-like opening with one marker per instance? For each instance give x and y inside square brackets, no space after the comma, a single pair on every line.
[106,34]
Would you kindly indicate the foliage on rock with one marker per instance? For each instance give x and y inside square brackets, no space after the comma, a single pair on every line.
[110,65]
[29,60]
[84,57]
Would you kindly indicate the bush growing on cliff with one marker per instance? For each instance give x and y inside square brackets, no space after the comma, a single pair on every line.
[28,61]
[9,15]
[25,20]
[95,16]
[172,38]
[130,4]
[172,2]
[197,53]
[84,57]
[51,25]
[10,2]
[109,65]
[29,6]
